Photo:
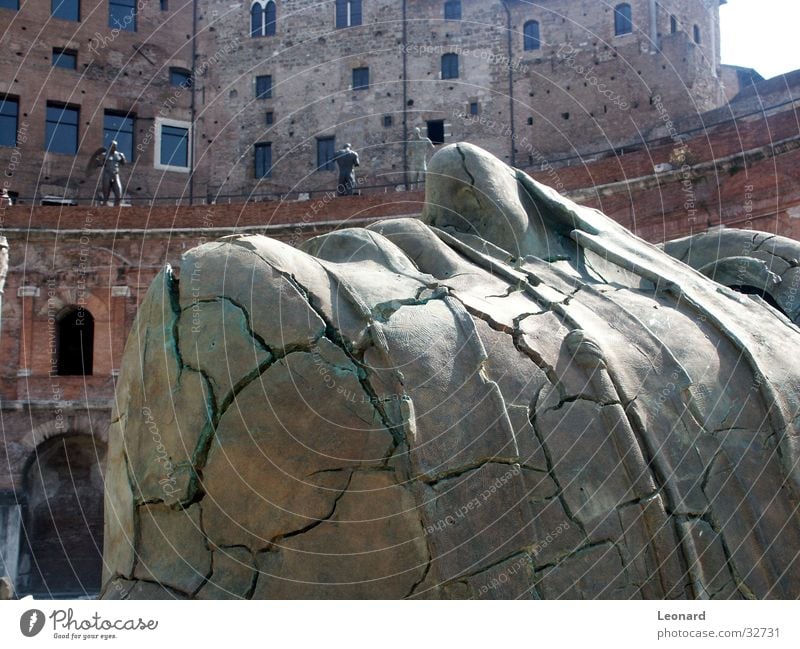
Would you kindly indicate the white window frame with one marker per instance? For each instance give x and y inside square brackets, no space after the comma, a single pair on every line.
[164,121]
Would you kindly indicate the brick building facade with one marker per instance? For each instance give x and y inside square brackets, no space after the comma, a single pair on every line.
[216,100]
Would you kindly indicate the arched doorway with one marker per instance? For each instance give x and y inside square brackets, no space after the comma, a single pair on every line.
[62,541]
[74,342]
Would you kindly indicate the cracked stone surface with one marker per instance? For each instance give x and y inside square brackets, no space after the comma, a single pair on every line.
[511,397]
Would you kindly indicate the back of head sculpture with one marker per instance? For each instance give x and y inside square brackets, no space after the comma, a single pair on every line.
[511,397]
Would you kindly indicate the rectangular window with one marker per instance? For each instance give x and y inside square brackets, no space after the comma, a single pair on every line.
[263,151]
[452,10]
[264,86]
[9,4]
[62,128]
[174,149]
[270,118]
[387,120]
[119,128]
[436,131]
[473,108]
[164,5]
[326,152]
[180,77]
[9,115]
[122,14]
[348,13]
[65,59]
[66,9]
[450,66]
[360,78]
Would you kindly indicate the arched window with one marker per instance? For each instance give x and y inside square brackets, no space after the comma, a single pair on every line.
[623,19]
[270,19]
[697,34]
[531,32]
[348,13]
[450,66]
[452,10]
[263,18]
[256,20]
[74,342]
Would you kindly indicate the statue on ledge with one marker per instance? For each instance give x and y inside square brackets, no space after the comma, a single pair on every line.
[512,396]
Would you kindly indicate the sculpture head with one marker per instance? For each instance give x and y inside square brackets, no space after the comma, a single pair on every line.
[418,132]
[470,191]
[113,146]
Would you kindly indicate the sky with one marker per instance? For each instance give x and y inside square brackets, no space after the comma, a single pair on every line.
[761,34]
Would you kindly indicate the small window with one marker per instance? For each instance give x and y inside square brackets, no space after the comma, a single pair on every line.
[673,24]
[122,15]
[9,116]
[270,19]
[62,128]
[264,86]
[119,128]
[531,35]
[474,109]
[174,149]
[623,19]
[263,159]
[270,118]
[530,121]
[387,121]
[326,152]
[452,10]
[164,5]
[256,20]
[697,34]
[450,66]
[66,9]
[9,4]
[263,18]
[67,59]
[436,131]
[348,13]
[360,78]
[74,342]
[180,77]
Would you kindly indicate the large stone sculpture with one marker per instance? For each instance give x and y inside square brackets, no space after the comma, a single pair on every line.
[512,397]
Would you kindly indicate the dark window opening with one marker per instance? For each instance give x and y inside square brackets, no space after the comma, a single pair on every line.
[9,4]
[67,59]
[452,10]
[270,19]
[9,116]
[673,24]
[326,152]
[119,128]
[270,118]
[74,342]
[174,146]
[164,5]
[348,13]
[180,77]
[387,120]
[450,66]
[122,15]
[696,34]
[360,78]
[62,128]
[623,19]
[474,109]
[263,156]
[436,131]
[530,121]
[256,20]
[66,9]
[264,86]
[531,35]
